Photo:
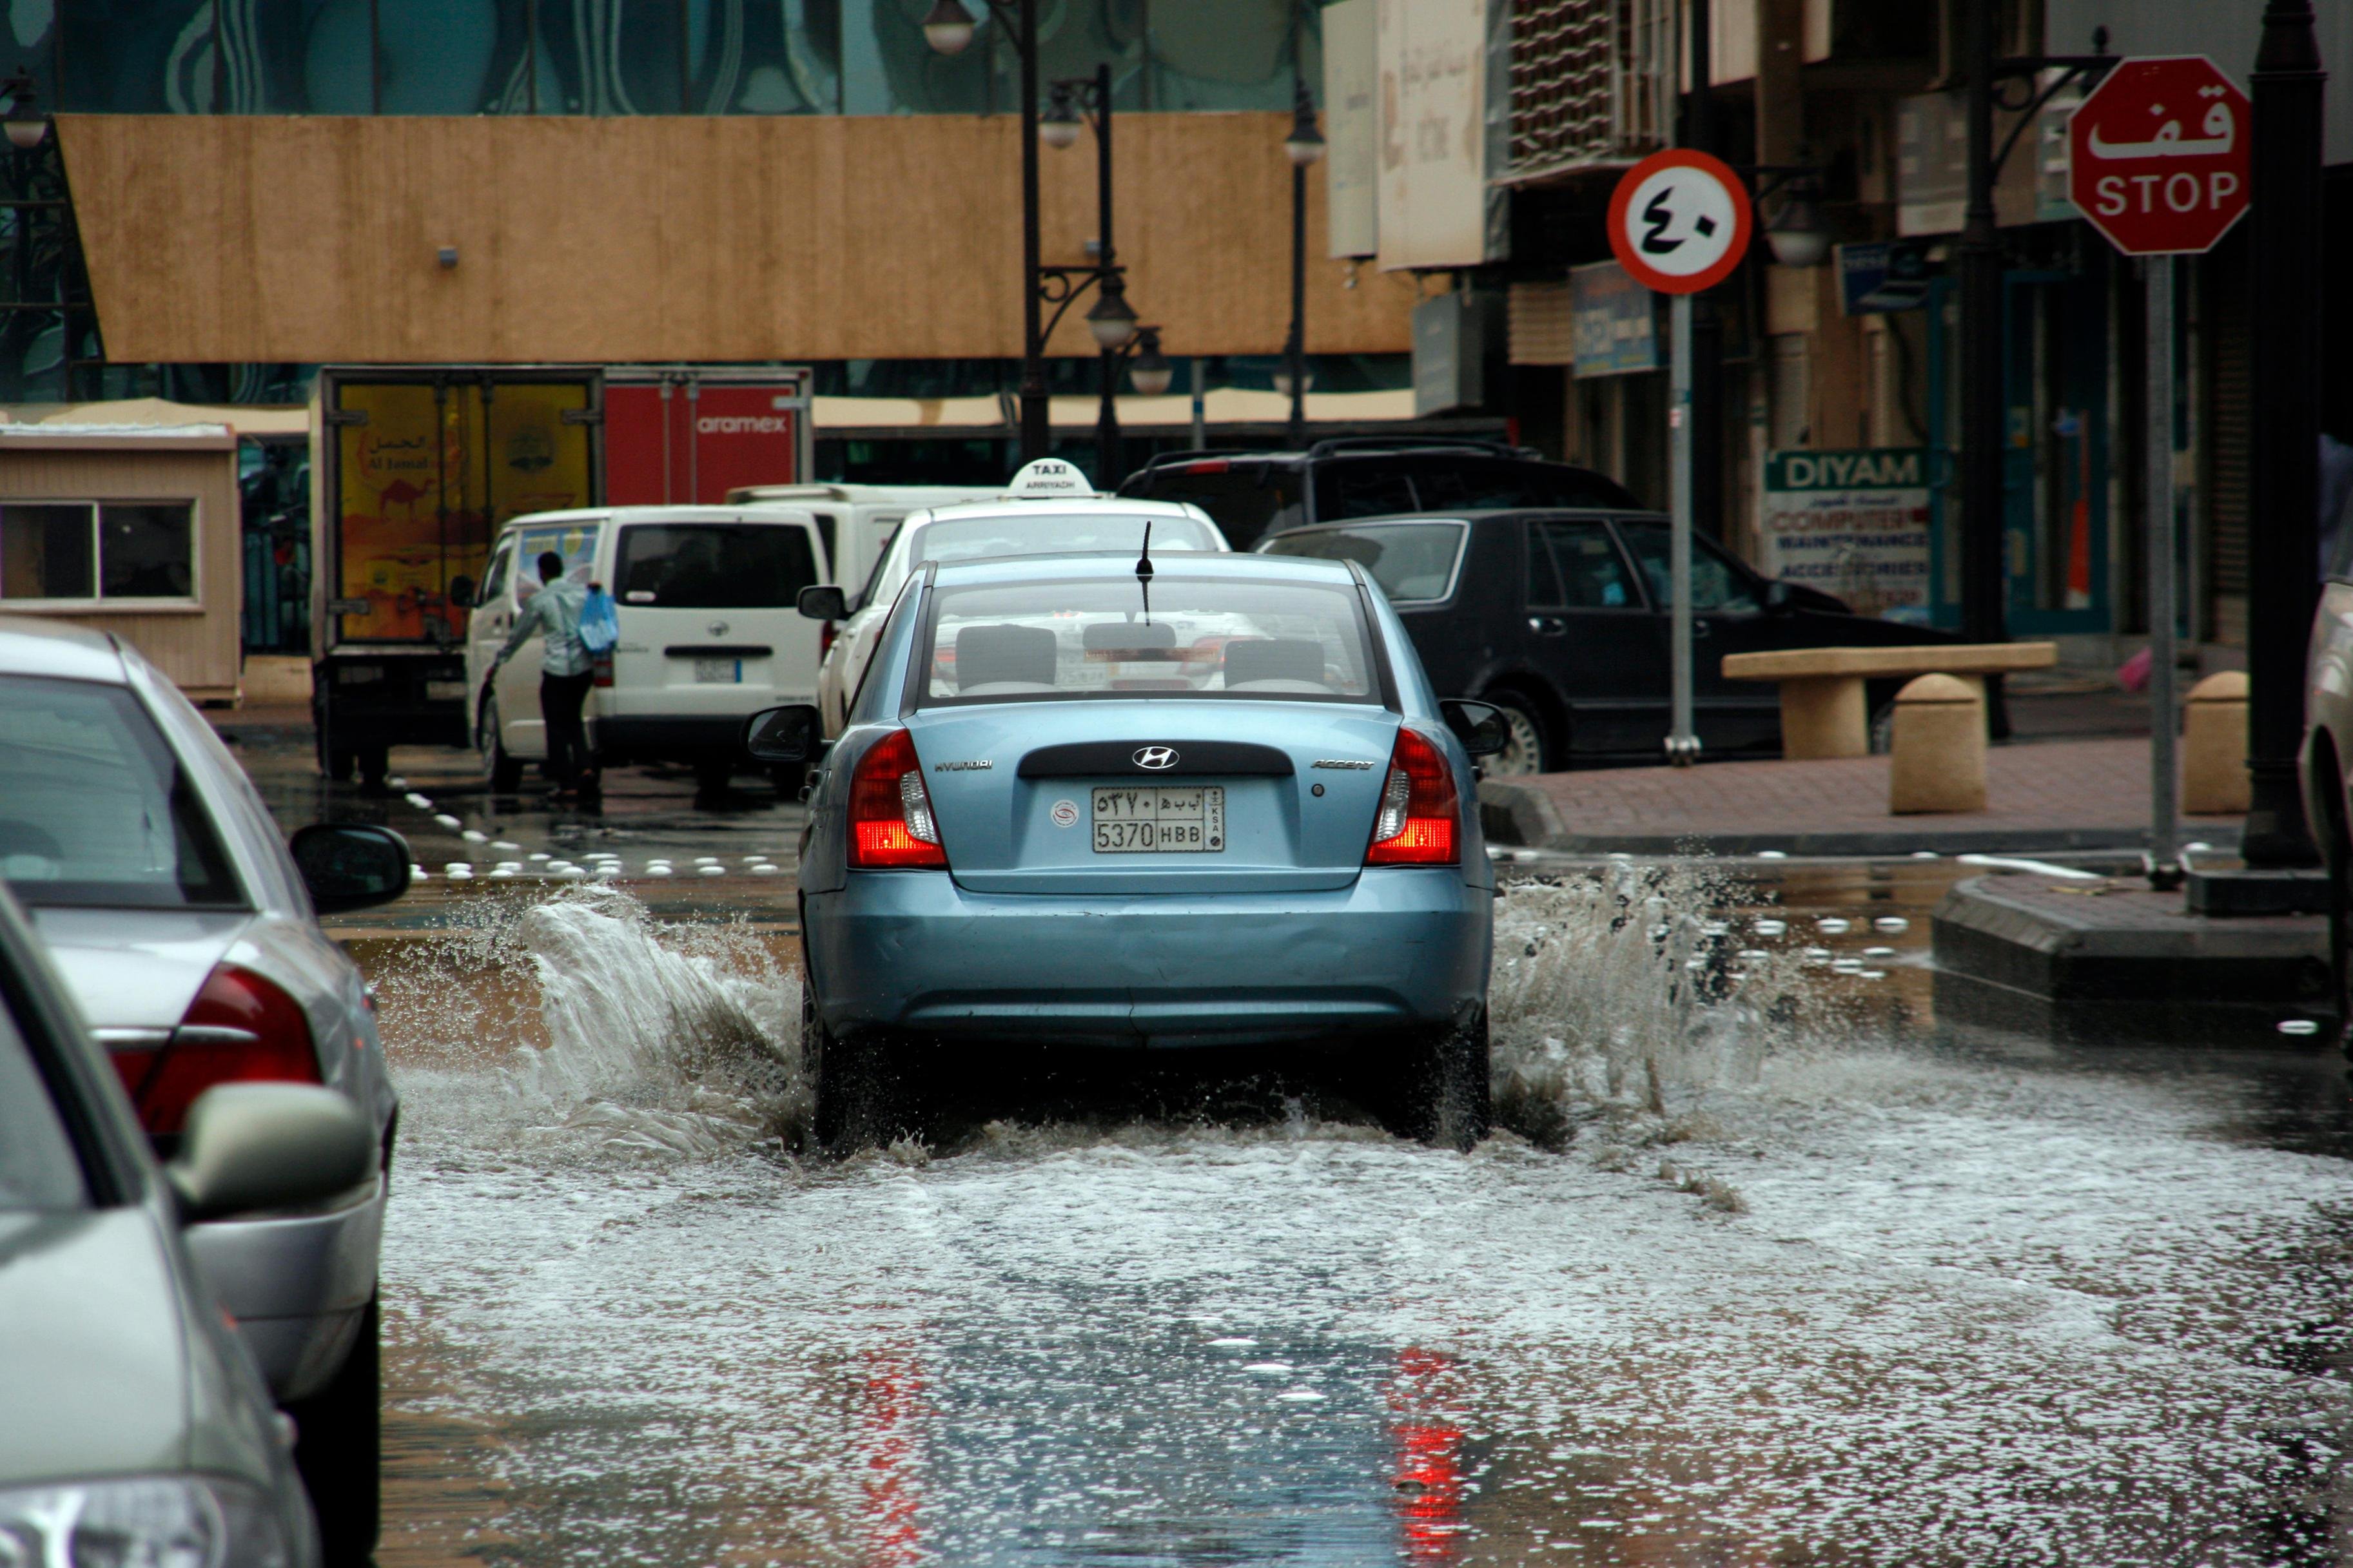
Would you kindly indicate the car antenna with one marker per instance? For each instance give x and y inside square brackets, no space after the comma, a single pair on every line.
[1144,571]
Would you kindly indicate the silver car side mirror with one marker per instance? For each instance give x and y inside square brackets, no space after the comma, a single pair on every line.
[250,1146]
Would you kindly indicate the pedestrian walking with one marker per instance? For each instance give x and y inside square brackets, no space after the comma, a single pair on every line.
[565,671]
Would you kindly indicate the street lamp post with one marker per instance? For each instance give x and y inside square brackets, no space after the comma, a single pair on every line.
[2283,479]
[1304,147]
[1089,98]
[1984,614]
[948,28]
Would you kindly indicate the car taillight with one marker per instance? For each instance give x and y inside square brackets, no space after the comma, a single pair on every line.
[239,1028]
[890,823]
[1419,822]
[1208,465]
[600,666]
[825,639]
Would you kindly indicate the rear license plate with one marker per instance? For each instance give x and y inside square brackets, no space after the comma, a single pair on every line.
[718,671]
[445,691]
[1160,820]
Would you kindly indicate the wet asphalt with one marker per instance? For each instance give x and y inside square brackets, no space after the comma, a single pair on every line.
[1766,1265]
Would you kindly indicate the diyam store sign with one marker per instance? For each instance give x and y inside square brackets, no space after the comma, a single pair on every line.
[1851,523]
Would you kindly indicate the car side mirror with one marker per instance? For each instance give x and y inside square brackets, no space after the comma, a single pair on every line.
[461,590]
[789,734]
[824,602]
[351,865]
[1778,599]
[1480,726]
[253,1146]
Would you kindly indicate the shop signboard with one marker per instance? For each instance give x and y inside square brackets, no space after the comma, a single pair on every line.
[1882,275]
[1616,323]
[1853,523]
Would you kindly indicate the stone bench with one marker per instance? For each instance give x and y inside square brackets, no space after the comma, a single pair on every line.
[1823,708]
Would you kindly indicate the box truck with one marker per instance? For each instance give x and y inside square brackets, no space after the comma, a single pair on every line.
[415,468]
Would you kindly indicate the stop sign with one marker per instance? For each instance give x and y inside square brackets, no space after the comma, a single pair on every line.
[2159,157]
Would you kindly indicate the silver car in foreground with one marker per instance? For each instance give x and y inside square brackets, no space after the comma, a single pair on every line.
[133,1428]
[186,930]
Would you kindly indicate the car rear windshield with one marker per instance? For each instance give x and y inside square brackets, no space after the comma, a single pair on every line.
[1409,560]
[713,565]
[1245,500]
[1117,638]
[1453,481]
[1051,534]
[95,809]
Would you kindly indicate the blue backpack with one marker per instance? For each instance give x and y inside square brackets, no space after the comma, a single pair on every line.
[600,625]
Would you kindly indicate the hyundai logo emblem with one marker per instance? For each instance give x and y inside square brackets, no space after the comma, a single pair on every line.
[1156,758]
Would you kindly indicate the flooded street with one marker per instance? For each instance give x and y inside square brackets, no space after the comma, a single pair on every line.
[1765,1270]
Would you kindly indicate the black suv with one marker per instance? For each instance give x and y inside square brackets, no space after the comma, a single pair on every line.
[1560,619]
[1252,494]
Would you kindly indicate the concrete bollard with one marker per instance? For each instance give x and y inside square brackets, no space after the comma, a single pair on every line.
[1938,760]
[2215,780]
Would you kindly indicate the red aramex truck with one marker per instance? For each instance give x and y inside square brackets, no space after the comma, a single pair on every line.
[416,468]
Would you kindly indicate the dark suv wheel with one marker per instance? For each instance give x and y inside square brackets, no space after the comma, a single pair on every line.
[1532,748]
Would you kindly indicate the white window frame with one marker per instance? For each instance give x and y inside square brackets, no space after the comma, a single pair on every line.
[191,600]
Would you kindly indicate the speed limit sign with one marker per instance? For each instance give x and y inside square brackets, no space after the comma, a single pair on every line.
[1680,221]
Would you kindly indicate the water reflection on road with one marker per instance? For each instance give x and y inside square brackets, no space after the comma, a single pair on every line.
[1767,1274]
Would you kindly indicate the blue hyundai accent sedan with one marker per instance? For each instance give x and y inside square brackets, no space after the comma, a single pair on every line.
[1204,801]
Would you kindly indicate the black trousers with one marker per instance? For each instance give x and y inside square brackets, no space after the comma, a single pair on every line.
[561,699]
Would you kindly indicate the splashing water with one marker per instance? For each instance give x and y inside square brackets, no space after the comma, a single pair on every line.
[649,1039]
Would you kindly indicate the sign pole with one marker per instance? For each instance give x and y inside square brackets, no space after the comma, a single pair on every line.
[2163,793]
[1682,744]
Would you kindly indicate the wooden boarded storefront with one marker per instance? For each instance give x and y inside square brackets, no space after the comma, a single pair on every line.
[129,530]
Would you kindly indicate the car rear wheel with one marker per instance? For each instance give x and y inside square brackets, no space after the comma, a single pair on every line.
[848,1084]
[337,1450]
[1529,750]
[503,772]
[1441,1088]
[712,776]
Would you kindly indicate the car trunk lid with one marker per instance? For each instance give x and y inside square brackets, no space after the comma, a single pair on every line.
[1064,797]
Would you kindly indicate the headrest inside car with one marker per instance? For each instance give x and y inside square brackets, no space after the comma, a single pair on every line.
[1274,658]
[987,656]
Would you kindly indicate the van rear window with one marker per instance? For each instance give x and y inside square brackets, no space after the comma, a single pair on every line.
[713,565]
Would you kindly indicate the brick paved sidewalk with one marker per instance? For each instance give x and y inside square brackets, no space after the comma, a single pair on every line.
[2056,794]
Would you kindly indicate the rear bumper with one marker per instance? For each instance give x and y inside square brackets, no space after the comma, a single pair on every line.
[911,954]
[296,1286]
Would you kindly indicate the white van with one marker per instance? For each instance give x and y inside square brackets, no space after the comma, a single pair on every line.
[857,520]
[705,598]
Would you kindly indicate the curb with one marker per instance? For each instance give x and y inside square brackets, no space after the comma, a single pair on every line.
[1517,815]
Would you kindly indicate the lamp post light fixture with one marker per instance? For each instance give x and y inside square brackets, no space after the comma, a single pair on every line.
[1153,371]
[1059,126]
[26,123]
[1797,233]
[948,27]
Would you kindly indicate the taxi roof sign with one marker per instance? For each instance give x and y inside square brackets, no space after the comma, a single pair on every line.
[1049,477]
